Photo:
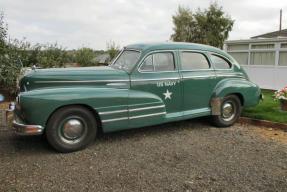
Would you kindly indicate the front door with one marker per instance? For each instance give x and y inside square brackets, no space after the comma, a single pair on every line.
[158,90]
[199,80]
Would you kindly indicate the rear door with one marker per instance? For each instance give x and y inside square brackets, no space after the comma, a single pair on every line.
[199,80]
[222,66]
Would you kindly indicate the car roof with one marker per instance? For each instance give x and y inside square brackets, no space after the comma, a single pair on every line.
[171,45]
[175,45]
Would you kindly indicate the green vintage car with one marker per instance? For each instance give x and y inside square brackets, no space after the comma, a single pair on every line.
[146,84]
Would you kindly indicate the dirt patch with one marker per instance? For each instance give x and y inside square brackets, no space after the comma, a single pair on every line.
[4,105]
[273,134]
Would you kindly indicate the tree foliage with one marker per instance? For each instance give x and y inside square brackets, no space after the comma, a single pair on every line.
[10,65]
[113,49]
[210,26]
[50,55]
[85,56]
[3,33]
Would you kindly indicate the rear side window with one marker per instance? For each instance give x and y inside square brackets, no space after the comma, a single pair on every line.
[158,62]
[193,61]
[219,62]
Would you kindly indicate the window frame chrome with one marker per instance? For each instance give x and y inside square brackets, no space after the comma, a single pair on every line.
[204,53]
[172,51]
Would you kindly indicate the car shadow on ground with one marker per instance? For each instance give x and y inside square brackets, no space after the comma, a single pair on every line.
[31,144]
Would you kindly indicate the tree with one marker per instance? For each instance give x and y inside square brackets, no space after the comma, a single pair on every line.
[3,33]
[50,55]
[85,56]
[184,25]
[10,66]
[211,26]
[112,49]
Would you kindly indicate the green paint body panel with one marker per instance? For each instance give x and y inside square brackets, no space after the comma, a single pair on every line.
[130,99]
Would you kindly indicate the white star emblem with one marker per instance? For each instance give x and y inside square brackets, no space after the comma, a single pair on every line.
[167,94]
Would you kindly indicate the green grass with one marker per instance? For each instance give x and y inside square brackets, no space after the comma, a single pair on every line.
[268,109]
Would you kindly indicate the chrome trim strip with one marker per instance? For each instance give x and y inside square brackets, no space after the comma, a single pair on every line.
[126,106]
[133,117]
[130,110]
[113,112]
[116,119]
[146,108]
[199,76]
[160,79]
[116,84]
[197,70]
[229,75]
[148,115]
[88,81]
[140,104]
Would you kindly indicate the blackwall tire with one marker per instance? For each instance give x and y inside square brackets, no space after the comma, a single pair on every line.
[230,112]
[71,129]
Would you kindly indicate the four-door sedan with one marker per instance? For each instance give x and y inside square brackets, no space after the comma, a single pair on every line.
[147,84]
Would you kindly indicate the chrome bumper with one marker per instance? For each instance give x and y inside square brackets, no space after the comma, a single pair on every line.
[22,129]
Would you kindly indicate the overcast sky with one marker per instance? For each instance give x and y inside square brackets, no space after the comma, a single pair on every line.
[92,23]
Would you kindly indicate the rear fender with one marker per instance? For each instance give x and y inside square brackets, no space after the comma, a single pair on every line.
[246,90]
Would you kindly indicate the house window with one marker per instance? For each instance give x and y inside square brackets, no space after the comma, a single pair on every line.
[193,61]
[262,46]
[240,57]
[283,58]
[262,58]
[283,45]
[236,47]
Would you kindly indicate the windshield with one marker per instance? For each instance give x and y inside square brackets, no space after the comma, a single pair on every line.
[127,60]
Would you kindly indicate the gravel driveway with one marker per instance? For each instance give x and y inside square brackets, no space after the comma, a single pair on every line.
[183,156]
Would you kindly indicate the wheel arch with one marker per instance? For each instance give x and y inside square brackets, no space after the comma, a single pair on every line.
[240,97]
[92,110]
[216,101]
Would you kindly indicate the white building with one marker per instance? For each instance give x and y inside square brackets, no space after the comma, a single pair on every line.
[263,57]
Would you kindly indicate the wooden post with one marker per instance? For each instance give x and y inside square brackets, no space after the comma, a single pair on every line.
[3,118]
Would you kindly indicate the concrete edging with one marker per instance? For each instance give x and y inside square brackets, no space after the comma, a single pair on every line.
[263,123]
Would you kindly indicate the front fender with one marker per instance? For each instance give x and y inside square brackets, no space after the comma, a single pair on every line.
[36,106]
[248,90]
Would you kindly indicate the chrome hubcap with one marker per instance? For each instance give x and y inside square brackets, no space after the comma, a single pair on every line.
[228,111]
[73,129]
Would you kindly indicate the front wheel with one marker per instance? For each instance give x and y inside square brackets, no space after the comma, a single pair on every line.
[230,112]
[71,128]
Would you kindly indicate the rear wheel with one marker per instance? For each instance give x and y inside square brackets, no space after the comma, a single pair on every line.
[230,111]
[71,128]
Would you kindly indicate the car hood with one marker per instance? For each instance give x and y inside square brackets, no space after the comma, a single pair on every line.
[81,76]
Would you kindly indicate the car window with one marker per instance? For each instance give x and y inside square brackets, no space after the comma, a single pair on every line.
[219,62]
[193,61]
[163,62]
[127,59]
[147,64]
[158,62]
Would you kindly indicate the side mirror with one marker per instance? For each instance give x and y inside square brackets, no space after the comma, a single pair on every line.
[1,98]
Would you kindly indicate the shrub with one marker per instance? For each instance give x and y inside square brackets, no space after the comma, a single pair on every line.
[51,55]
[85,56]
[113,49]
